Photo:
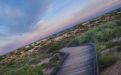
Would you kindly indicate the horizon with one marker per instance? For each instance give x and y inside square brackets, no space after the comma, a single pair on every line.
[22,24]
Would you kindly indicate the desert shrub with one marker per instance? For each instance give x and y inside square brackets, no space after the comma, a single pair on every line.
[119,48]
[29,48]
[108,44]
[53,59]
[1,58]
[106,60]
[26,70]
[11,63]
[54,48]
[37,48]
[98,47]
[34,61]
[45,47]
[118,43]
[12,53]
[18,53]
[45,65]
[52,62]
[3,64]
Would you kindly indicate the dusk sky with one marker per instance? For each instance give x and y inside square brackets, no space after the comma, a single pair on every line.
[25,21]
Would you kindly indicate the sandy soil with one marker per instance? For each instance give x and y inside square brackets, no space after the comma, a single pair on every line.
[44,61]
[48,71]
[113,70]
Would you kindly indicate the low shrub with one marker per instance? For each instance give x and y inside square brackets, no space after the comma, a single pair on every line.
[18,53]
[108,44]
[119,48]
[12,53]
[54,48]
[11,63]
[106,60]
[52,62]
[1,58]
[26,70]
[34,61]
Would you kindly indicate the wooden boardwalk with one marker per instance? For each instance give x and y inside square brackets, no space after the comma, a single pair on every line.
[80,61]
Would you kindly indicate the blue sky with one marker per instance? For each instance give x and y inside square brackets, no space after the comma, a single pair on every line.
[25,21]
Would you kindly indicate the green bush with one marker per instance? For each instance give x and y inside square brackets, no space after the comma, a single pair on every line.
[11,63]
[106,60]
[108,44]
[12,53]
[34,61]
[54,48]
[18,53]
[26,70]
[52,62]
[119,48]
[53,59]
[1,58]
[45,65]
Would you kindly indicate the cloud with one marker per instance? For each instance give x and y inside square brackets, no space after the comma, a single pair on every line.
[91,10]
[6,11]
[81,14]
[18,22]
[21,18]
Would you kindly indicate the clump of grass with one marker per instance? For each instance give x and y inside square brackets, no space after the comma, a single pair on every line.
[18,53]
[11,63]
[106,60]
[54,48]
[108,44]
[12,53]
[34,61]
[1,58]
[52,62]
[119,49]
[26,70]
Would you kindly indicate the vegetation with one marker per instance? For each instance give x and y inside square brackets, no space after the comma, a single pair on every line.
[106,60]
[26,70]
[1,58]
[119,48]
[52,62]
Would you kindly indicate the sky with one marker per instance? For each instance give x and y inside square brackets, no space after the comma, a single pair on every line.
[25,21]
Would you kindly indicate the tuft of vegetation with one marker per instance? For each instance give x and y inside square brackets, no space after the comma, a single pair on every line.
[1,58]
[34,61]
[11,63]
[54,48]
[106,60]
[26,70]
[52,62]
[119,49]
